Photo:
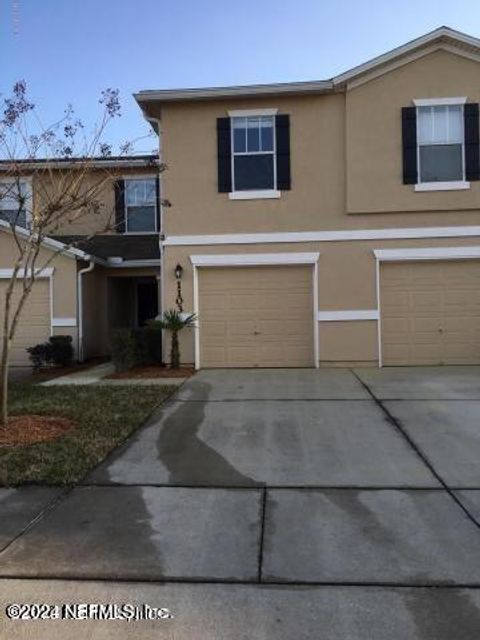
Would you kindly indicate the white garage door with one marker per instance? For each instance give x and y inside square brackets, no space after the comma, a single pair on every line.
[256,316]
[430,312]
[34,325]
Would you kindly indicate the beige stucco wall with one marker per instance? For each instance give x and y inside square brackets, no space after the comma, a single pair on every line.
[373,135]
[64,284]
[51,184]
[346,281]
[346,157]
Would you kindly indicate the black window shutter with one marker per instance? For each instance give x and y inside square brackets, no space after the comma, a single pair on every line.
[409,141]
[157,197]
[282,138]
[472,155]
[119,189]
[224,155]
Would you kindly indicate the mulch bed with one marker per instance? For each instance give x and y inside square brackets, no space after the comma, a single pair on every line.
[22,431]
[153,372]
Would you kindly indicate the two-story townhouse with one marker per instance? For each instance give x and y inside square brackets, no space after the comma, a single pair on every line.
[109,277]
[329,222]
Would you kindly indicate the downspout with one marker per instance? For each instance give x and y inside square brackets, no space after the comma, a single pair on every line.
[80,275]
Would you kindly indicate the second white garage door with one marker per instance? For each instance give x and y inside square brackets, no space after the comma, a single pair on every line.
[430,312]
[256,316]
[34,325]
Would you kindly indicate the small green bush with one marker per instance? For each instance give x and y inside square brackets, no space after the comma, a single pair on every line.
[58,351]
[123,349]
[132,347]
[61,350]
[153,333]
[40,355]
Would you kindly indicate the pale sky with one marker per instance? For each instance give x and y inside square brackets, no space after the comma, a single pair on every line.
[69,50]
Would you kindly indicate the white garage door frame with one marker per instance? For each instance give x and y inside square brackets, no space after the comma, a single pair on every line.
[6,274]
[415,255]
[256,260]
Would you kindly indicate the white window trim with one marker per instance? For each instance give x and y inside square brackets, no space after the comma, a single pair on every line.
[451,185]
[342,316]
[266,194]
[125,207]
[245,113]
[454,185]
[29,190]
[254,194]
[256,259]
[438,102]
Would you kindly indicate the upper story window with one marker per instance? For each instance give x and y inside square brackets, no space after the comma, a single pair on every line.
[440,140]
[441,144]
[15,201]
[140,205]
[253,158]
[253,151]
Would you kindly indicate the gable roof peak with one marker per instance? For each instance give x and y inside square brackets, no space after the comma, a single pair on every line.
[441,35]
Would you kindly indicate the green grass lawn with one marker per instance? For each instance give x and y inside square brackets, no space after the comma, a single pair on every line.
[104,416]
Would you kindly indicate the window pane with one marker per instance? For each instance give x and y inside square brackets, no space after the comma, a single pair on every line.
[239,134]
[424,125]
[441,163]
[253,134]
[141,219]
[139,192]
[253,172]
[455,123]
[266,133]
[150,192]
[440,115]
[10,215]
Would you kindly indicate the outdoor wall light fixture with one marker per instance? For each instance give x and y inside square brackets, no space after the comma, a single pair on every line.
[178,272]
[178,276]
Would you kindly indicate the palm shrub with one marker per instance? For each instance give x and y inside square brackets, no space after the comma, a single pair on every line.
[174,321]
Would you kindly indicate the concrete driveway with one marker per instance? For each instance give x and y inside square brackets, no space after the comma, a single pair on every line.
[271,504]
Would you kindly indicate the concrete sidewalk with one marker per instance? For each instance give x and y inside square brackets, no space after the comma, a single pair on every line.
[98,373]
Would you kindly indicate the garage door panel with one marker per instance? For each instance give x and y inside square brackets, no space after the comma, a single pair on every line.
[34,325]
[430,313]
[263,316]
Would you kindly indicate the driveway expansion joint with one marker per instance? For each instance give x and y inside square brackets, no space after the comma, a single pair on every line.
[400,428]
[262,532]
[49,506]
[250,583]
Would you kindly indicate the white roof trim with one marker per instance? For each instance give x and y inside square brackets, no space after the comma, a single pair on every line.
[206,93]
[49,243]
[95,164]
[430,253]
[253,259]
[121,264]
[443,36]
[422,41]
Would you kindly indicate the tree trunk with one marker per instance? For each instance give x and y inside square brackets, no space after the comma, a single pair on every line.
[175,352]
[4,382]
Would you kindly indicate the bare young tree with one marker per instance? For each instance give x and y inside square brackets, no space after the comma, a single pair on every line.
[61,161]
